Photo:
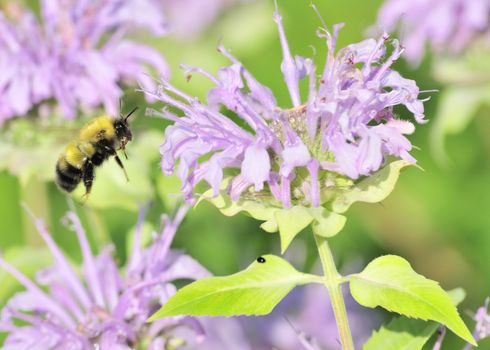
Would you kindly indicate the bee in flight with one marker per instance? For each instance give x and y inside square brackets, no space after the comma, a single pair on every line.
[98,140]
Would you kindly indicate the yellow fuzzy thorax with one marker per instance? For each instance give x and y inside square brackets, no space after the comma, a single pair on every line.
[98,129]
[75,154]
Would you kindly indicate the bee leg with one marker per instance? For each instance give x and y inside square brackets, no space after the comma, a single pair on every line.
[113,152]
[118,160]
[88,178]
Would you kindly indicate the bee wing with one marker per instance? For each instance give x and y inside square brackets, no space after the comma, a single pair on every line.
[63,132]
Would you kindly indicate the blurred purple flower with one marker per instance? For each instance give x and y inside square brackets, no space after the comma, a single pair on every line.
[103,308]
[305,320]
[77,54]
[482,327]
[445,25]
[345,127]
[188,18]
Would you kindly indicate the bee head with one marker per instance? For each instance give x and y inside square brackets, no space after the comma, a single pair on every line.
[123,133]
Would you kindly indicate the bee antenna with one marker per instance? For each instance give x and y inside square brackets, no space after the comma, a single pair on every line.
[130,113]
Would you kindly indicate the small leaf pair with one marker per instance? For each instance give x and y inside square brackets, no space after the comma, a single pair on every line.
[388,281]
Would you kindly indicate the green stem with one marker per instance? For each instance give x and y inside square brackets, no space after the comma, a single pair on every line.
[333,284]
[100,234]
[34,195]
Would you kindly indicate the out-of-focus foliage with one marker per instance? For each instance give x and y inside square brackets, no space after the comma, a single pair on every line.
[466,77]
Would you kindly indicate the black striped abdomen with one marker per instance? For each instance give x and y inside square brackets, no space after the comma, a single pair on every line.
[67,176]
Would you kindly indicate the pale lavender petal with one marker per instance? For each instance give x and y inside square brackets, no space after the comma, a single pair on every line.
[54,320]
[108,274]
[76,54]
[185,267]
[189,18]
[346,129]
[256,166]
[238,185]
[135,258]
[44,301]
[289,67]
[64,267]
[89,267]
[443,25]
[313,168]
[294,156]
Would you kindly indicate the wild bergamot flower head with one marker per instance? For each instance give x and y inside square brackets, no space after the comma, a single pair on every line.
[444,25]
[342,130]
[77,54]
[101,307]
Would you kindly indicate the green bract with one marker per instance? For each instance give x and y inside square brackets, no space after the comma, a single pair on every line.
[372,189]
[325,220]
[254,291]
[390,282]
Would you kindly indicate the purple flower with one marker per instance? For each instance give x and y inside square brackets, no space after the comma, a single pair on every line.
[106,308]
[445,25]
[188,18]
[305,320]
[482,327]
[345,127]
[101,308]
[77,54]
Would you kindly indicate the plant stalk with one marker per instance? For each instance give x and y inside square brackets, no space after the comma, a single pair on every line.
[34,195]
[332,283]
[100,233]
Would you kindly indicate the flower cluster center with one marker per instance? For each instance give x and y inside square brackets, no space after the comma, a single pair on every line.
[294,118]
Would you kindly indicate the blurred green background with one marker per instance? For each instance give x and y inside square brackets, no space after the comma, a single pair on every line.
[438,218]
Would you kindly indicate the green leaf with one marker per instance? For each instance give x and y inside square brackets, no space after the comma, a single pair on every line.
[326,223]
[223,202]
[290,222]
[372,189]
[390,282]
[403,333]
[254,291]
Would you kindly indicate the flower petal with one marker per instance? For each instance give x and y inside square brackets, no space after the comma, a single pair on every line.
[256,166]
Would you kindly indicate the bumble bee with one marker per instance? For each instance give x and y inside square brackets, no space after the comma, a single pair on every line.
[97,141]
